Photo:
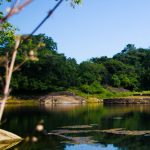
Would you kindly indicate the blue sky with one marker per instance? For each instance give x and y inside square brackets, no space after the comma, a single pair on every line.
[96,28]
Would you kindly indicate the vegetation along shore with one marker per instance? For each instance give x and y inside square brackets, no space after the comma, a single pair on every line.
[76,97]
[48,71]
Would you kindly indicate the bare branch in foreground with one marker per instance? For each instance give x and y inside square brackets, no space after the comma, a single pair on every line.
[44,20]
[18,66]
[14,10]
[7,84]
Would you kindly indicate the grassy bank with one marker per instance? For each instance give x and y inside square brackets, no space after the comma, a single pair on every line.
[22,102]
[105,93]
[18,101]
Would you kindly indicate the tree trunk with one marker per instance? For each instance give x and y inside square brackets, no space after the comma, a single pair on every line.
[8,77]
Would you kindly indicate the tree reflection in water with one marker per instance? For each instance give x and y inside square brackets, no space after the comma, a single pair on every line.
[23,121]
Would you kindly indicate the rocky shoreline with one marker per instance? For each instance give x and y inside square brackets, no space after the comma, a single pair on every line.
[66,98]
[128,100]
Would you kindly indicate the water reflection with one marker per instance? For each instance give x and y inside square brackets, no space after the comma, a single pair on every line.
[90,147]
[23,121]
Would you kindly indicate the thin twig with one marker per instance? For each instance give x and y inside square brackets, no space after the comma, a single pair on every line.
[2,81]
[14,10]
[44,20]
[10,12]
[19,65]
[7,65]
[26,58]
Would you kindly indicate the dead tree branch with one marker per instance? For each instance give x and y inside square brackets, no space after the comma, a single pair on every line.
[14,10]
[19,65]
[7,84]
[46,17]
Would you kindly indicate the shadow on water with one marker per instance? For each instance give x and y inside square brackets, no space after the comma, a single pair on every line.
[23,121]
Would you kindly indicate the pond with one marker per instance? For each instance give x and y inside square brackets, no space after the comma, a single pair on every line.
[28,121]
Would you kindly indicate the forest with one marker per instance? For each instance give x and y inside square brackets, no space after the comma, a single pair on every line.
[44,69]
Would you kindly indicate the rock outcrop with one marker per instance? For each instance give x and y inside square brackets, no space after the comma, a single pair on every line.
[62,98]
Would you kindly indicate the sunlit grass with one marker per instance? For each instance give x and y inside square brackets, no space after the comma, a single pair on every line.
[105,94]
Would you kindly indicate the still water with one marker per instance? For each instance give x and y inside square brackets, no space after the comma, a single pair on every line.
[23,121]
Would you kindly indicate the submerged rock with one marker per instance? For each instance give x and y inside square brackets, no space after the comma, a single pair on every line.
[115,131]
[77,127]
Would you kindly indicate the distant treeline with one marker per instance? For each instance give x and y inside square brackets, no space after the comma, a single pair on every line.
[48,70]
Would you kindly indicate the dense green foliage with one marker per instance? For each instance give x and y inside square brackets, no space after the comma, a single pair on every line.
[139,59]
[53,71]
[47,70]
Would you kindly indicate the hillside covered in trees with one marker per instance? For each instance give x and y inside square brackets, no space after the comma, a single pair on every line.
[52,71]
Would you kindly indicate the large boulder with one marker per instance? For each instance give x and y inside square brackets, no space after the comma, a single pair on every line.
[62,98]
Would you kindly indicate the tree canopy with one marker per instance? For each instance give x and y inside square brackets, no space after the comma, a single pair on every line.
[54,71]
